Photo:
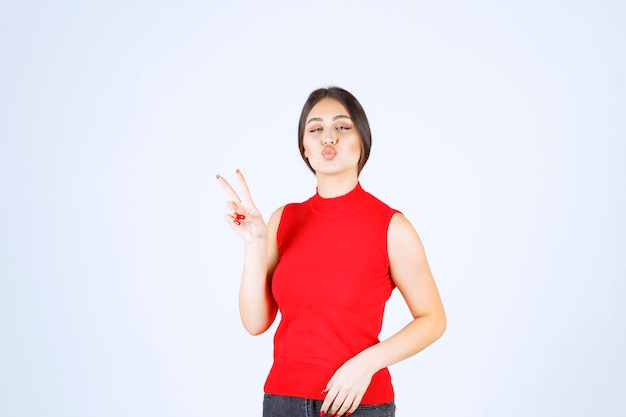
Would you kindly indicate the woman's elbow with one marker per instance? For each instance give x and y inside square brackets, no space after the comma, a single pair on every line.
[257,326]
[440,324]
[255,330]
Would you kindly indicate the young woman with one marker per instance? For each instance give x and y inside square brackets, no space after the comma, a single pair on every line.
[328,265]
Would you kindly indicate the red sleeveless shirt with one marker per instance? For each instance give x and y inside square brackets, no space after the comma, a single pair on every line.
[331,284]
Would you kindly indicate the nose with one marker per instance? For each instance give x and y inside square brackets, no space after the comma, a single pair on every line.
[329,140]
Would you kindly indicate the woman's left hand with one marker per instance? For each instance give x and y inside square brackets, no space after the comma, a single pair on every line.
[346,388]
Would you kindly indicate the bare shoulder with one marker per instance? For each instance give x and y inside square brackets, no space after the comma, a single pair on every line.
[272,225]
[406,251]
[272,239]
[274,220]
[401,231]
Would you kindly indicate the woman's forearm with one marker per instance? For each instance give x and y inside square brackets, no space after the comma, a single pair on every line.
[411,339]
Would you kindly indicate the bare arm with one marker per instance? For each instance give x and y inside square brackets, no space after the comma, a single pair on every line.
[257,306]
[411,274]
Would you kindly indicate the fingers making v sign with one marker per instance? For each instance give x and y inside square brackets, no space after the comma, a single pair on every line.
[241,213]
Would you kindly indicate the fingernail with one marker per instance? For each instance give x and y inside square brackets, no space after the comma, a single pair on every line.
[240,217]
[237,222]
[217,176]
[237,171]
[322,413]
[347,414]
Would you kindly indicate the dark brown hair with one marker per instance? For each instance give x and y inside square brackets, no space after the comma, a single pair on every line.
[355,111]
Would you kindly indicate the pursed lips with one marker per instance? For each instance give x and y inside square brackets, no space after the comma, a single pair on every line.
[328,152]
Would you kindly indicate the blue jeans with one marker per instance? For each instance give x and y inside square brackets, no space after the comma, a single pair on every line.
[281,406]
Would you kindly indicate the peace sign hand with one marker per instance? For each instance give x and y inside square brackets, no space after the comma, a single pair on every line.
[242,215]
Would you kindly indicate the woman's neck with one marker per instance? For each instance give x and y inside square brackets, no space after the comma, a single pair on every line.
[335,186]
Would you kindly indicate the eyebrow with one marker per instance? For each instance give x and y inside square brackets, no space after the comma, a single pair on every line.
[319,119]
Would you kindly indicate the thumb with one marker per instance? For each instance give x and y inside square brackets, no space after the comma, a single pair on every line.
[325,390]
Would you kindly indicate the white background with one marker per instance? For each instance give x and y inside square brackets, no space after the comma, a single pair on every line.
[499,130]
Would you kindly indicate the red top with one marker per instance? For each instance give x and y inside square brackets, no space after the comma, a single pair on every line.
[331,284]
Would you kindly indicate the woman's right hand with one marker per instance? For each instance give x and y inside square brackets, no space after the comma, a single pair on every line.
[242,215]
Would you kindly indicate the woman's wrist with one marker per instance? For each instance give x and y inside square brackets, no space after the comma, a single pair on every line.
[255,242]
[372,359]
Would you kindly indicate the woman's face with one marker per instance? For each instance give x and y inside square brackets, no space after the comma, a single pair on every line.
[331,142]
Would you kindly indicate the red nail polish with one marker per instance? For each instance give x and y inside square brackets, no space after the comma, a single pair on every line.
[347,414]
[240,217]
[237,222]
[322,413]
